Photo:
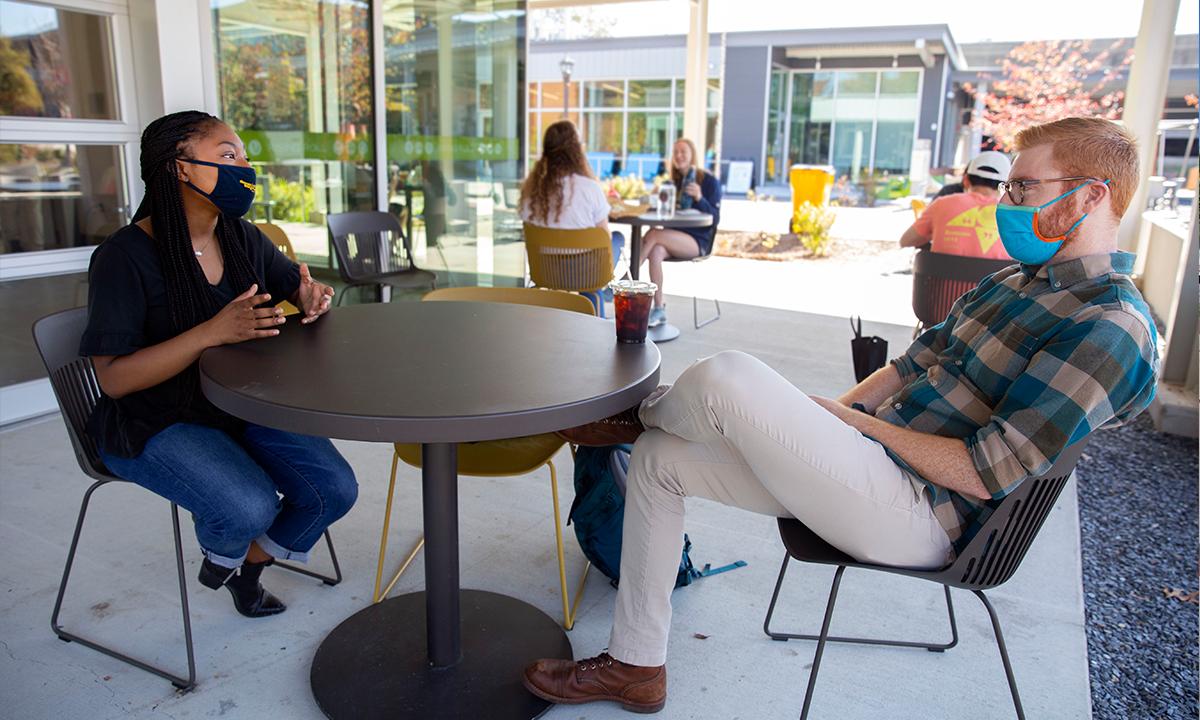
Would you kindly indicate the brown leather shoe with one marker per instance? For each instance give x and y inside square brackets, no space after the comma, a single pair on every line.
[622,428]
[638,689]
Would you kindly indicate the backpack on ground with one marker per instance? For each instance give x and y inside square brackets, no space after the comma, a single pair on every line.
[598,514]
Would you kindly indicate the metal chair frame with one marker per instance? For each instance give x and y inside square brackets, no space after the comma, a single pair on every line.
[379,224]
[696,322]
[77,392]
[989,560]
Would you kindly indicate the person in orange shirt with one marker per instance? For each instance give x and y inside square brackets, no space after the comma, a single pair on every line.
[965,223]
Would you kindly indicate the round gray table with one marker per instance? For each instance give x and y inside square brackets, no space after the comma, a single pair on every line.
[691,220]
[435,373]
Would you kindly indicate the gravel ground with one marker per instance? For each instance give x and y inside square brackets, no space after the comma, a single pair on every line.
[1138,516]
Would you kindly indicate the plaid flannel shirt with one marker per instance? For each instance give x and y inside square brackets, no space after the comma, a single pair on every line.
[1031,360]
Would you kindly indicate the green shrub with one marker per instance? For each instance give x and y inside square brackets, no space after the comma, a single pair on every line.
[811,224]
[291,201]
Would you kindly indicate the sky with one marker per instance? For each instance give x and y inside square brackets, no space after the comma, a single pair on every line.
[969,21]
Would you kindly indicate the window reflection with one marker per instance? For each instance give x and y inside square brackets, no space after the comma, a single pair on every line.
[58,196]
[455,126]
[296,84]
[55,63]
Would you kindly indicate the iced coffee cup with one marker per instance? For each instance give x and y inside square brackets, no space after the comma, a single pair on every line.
[631,302]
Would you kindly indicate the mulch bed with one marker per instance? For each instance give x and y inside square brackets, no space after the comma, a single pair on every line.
[1137,516]
[782,248]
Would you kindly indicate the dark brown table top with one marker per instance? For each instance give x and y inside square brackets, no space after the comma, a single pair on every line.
[431,372]
[681,219]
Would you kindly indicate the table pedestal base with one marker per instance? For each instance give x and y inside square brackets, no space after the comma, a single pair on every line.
[374,665]
[663,333]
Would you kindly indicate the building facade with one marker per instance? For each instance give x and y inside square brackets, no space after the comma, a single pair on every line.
[879,105]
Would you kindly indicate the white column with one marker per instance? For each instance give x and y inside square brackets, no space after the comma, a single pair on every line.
[696,93]
[185,46]
[1145,95]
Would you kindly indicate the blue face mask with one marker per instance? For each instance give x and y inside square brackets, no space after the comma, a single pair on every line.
[1021,235]
[234,192]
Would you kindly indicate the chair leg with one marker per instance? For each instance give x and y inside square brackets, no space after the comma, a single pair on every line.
[569,609]
[383,541]
[327,579]
[932,647]
[821,640]
[696,313]
[1012,681]
[182,683]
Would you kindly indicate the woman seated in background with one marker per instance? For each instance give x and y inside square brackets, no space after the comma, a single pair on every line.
[189,274]
[699,190]
[561,192]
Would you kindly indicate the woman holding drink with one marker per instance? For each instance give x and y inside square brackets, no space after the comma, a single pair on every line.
[697,189]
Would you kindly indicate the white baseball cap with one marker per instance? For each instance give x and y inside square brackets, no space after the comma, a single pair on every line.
[991,165]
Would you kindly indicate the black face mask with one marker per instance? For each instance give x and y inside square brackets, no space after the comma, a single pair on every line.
[234,192]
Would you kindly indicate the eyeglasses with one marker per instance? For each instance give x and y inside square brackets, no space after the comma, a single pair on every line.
[1016,188]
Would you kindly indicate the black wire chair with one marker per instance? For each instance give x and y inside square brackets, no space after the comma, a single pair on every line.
[372,249]
[989,560]
[75,386]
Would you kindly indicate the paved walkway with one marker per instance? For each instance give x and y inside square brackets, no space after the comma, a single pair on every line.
[123,589]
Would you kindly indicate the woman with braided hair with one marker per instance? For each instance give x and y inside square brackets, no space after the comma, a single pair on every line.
[189,274]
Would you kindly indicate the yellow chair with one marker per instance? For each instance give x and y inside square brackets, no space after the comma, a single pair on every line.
[572,260]
[918,207]
[495,458]
[276,235]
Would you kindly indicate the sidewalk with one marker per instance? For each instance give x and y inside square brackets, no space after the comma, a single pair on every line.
[123,586]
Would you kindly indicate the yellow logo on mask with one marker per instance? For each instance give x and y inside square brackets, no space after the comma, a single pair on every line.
[248,186]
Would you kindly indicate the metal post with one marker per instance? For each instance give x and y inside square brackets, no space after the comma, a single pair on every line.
[1145,94]
[566,65]
[439,484]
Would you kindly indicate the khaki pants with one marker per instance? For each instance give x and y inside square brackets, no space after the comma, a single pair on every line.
[735,431]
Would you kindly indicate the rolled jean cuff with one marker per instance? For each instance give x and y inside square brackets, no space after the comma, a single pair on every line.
[279,552]
[224,561]
[634,657]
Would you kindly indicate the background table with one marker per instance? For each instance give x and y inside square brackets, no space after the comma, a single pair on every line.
[437,374]
[665,332]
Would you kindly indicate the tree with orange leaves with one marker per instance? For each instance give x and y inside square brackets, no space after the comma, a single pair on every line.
[1044,81]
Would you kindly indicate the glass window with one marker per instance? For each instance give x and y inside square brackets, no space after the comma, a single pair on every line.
[533,95]
[714,92]
[648,132]
[605,93]
[650,93]
[812,114]
[454,156]
[602,136]
[899,82]
[59,196]
[897,115]
[55,63]
[776,170]
[552,95]
[24,301]
[296,84]
[854,118]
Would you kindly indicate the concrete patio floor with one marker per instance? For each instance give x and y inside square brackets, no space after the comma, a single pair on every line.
[123,588]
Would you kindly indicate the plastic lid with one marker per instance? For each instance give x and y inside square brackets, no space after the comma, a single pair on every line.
[633,287]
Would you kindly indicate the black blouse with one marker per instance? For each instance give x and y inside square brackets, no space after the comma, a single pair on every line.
[127,311]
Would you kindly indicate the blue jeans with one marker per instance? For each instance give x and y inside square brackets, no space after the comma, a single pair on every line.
[232,485]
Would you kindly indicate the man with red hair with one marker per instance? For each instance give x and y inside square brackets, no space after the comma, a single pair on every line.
[906,466]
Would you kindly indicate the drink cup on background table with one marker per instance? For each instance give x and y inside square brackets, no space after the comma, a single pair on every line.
[631,303]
